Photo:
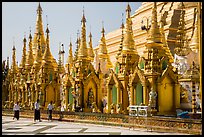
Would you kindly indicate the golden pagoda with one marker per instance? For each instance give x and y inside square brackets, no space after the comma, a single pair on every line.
[130,66]
[82,86]
[38,72]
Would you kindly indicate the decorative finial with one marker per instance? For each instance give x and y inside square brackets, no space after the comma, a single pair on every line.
[103,30]
[47,30]
[47,20]
[24,39]
[122,25]
[77,33]
[59,47]
[90,32]
[62,45]
[128,9]
[24,34]
[13,43]
[77,39]
[83,17]
[30,33]
[39,10]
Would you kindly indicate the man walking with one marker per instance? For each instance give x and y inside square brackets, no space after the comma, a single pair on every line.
[37,111]
[50,108]
[16,109]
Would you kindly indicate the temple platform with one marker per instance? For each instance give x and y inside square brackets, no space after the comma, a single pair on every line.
[153,123]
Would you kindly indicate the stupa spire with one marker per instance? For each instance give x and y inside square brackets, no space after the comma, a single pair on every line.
[38,56]
[103,52]
[70,56]
[122,38]
[23,60]
[39,32]
[48,58]
[182,47]
[60,66]
[102,46]
[14,65]
[77,47]
[128,42]
[154,46]
[164,41]
[90,51]
[83,52]
[30,59]
[194,40]
[154,32]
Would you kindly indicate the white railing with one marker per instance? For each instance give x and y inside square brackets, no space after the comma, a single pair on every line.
[135,110]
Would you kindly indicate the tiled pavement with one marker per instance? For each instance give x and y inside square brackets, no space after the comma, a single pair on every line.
[26,126]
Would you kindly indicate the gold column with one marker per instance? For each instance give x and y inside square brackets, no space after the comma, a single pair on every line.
[178,89]
[66,97]
[26,96]
[109,98]
[145,102]
[200,46]
[31,98]
[16,94]
[193,97]
[134,94]
[36,95]
[19,93]
[118,94]
[22,96]
[10,97]
[131,95]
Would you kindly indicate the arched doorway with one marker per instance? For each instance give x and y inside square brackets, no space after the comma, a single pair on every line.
[114,94]
[50,96]
[70,96]
[139,94]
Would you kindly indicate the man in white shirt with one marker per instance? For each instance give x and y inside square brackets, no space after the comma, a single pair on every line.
[37,111]
[61,112]
[16,109]
[50,108]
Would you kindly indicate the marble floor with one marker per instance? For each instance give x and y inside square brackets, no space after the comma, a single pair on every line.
[26,126]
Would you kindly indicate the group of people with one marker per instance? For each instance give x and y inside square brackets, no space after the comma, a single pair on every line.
[50,107]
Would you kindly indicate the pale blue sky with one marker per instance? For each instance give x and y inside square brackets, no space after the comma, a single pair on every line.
[64,19]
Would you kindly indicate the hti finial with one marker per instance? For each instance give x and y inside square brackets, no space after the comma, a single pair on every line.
[122,25]
[24,39]
[47,30]
[83,20]
[30,29]
[30,33]
[103,30]
[59,47]
[24,34]
[47,20]
[13,41]
[128,9]
[39,10]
